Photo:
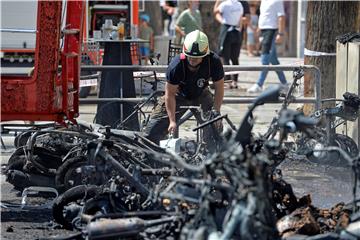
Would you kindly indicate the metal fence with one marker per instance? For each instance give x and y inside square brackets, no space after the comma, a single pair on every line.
[227,68]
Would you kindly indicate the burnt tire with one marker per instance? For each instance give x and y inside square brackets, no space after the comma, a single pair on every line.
[43,157]
[21,139]
[349,145]
[65,171]
[72,196]
[18,157]
[17,163]
[334,158]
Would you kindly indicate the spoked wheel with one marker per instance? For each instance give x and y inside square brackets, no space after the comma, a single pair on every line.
[68,205]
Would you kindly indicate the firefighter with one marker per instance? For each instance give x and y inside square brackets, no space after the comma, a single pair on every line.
[188,77]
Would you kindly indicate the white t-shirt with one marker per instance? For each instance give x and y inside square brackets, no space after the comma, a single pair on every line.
[270,10]
[231,12]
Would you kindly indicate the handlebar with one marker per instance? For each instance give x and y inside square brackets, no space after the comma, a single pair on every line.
[291,121]
[210,122]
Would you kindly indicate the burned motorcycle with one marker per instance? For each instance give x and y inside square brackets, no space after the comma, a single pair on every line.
[235,193]
[325,134]
[125,174]
[36,162]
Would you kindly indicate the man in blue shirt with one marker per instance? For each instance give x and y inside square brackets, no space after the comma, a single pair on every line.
[188,77]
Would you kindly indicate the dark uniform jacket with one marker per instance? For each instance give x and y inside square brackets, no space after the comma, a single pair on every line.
[191,84]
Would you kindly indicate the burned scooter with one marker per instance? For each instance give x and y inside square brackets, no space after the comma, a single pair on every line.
[40,153]
[325,134]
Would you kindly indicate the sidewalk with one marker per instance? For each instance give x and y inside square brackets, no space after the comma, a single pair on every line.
[247,79]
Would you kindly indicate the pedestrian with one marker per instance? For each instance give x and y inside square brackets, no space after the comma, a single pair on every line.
[272,26]
[188,76]
[146,33]
[230,14]
[252,32]
[169,10]
[189,20]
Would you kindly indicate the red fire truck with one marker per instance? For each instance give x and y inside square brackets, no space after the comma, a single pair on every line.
[63,31]
[18,33]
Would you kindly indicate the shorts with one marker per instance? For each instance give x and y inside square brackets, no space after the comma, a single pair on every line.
[145,51]
[250,38]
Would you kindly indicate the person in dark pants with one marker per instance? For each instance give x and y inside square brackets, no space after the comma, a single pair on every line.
[230,14]
[168,11]
[272,26]
[188,77]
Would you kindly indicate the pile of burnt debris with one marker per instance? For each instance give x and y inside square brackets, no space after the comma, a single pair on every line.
[117,184]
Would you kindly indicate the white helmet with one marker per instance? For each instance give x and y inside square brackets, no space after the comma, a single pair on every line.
[196,44]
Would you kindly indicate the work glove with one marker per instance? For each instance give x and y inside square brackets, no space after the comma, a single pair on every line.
[218,124]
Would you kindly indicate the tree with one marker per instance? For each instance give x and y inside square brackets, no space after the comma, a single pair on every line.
[325,21]
[210,26]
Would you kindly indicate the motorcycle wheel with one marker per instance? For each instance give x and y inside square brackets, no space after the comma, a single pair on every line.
[349,145]
[68,204]
[21,139]
[67,175]
[332,158]
[16,159]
